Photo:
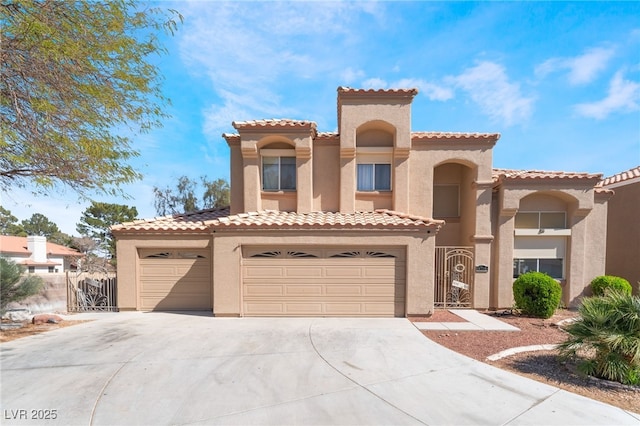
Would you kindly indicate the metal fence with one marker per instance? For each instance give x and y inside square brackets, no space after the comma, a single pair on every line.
[454,277]
[88,292]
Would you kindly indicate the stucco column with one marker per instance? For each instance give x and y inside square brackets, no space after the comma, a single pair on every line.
[572,290]
[420,275]
[252,189]
[502,287]
[401,180]
[127,275]
[347,180]
[481,240]
[304,184]
[227,278]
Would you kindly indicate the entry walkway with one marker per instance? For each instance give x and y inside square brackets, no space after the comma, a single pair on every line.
[474,321]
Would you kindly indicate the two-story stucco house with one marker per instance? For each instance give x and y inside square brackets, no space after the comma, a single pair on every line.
[374,220]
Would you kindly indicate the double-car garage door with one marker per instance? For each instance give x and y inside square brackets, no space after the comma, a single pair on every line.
[323,282]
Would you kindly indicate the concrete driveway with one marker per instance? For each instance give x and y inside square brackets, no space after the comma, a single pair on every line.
[162,368]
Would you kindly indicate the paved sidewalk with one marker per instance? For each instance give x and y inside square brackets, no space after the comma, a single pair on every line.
[475,321]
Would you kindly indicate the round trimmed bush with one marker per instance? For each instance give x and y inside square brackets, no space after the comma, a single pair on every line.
[600,285]
[537,294]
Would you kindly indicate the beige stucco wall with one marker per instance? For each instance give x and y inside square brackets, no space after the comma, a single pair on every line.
[227,256]
[586,214]
[623,234]
[127,246]
[326,177]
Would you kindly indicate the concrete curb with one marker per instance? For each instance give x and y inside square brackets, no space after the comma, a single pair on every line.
[513,351]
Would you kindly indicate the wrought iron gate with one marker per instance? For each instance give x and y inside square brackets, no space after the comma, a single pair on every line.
[91,292]
[454,277]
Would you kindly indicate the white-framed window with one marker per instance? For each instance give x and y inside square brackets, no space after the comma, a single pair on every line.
[539,254]
[278,170]
[552,267]
[374,168]
[374,177]
[446,200]
[541,220]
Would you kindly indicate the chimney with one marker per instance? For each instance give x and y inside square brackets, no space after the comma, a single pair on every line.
[38,248]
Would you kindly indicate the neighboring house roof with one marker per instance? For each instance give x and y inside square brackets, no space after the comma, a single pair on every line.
[533,175]
[272,219]
[18,246]
[623,178]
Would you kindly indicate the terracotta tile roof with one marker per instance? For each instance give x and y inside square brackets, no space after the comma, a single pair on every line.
[186,222]
[18,245]
[618,178]
[350,90]
[280,123]
[272,219]
[508,174]
[454,135]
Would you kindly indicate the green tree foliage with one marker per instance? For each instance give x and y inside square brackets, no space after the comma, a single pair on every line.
[39,224]
[9,224]
[537,294]
[99,217]
[183,198]
[14,286]
[600,285]
[606,337]
[77,83]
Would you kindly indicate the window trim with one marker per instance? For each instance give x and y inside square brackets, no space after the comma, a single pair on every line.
[375,155]
[538,259]
[539,213]
[278,153]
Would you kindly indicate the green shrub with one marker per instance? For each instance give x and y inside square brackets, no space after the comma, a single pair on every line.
[605,340]
[13,285]
[537,294]
[600,285]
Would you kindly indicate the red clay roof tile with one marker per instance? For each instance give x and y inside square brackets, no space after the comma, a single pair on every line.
[220,218]
[627,175]
[508,174]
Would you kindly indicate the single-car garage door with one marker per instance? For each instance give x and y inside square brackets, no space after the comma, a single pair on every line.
[175,280]
[323,282]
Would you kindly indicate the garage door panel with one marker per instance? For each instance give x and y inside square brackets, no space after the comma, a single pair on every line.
[303,271]
[346,286]
[263,290]
[173,282]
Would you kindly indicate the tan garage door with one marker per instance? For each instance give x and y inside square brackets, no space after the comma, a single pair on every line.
[323,282]
[175,280]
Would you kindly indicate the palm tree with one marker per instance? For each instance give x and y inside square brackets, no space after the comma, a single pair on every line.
[606,338]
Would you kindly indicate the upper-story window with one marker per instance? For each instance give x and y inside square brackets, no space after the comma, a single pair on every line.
[374,169]
[541,220]
[374,177]
[278,170]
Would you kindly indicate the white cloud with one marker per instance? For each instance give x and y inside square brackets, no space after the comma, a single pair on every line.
[350,75]
[488,85]
[582,69]
[433,91]
[374,83]
[623,95]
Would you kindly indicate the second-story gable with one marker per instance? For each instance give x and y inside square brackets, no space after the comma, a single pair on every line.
[374,162]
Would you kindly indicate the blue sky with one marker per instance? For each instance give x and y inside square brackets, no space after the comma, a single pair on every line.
[560,81]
